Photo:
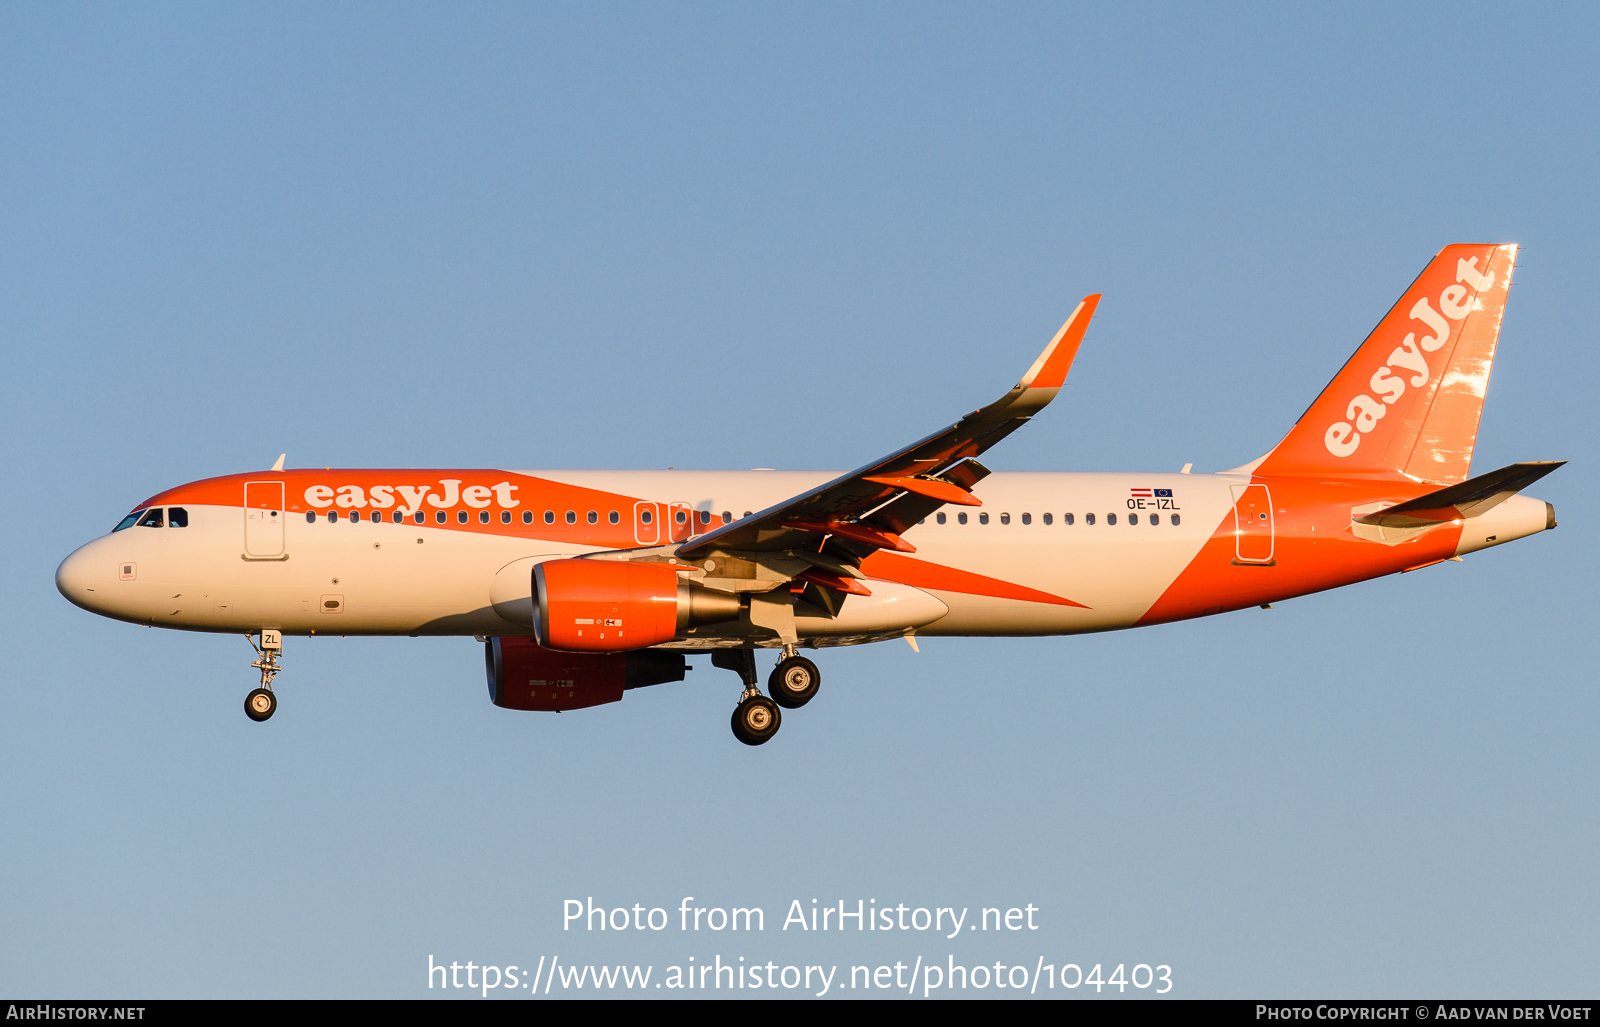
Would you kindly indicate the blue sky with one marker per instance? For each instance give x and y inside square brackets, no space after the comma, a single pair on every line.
[788,236]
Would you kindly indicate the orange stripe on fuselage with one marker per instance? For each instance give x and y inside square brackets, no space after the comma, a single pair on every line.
[925,575]
[1314,549]
[529,493]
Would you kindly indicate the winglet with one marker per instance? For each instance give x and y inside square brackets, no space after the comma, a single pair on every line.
[279,465]
[1050,370]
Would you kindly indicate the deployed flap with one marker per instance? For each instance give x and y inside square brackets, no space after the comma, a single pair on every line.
[1467,499]
[855,496]
[1409,401]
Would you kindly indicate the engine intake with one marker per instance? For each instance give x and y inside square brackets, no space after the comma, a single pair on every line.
[610,606]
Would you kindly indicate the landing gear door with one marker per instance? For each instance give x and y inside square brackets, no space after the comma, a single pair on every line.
[1252,525]
[263,519]
[646,524]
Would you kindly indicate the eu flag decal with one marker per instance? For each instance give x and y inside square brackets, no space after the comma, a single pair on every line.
[1163,493]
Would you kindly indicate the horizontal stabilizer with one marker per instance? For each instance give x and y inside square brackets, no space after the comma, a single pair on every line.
[1468,499]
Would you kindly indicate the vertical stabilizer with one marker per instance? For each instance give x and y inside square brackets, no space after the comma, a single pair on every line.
[1409,400]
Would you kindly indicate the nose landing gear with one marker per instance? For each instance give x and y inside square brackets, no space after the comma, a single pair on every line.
[261,703]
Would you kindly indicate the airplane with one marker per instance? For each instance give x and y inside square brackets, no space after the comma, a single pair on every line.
[583,585]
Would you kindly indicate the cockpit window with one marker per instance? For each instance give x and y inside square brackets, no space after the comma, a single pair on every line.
[128,521]
[152,518]
[177,517]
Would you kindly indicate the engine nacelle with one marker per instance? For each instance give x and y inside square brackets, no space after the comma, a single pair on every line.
[608,606]
[526,676]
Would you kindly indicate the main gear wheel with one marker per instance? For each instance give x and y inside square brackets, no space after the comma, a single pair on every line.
[756,719]
[794,682]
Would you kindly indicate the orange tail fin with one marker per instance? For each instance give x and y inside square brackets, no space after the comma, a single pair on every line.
[1409,400]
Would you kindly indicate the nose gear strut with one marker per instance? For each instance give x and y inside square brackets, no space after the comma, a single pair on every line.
[262,703]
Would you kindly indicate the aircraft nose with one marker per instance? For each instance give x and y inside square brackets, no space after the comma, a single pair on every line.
[80,579]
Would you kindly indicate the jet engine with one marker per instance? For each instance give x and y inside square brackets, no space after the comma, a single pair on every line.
[610,606]
[525,676]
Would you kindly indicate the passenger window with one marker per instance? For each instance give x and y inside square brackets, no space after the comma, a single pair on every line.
[152,518]
[439,518]
[983,518]
[177,517]
[1087,518]
[461,517]
[727,517]
[746,513]
[680,517]
[961,518]
[549,516]
[377,517]
[505,516]
[939,518]
[483,517]
[572,517]
[614,517]
[1047,519]
[1175,521]
[1155,518]
[419,517]
[594,518]
[1005,518]
[645,517]
[1111,518]
[1027,518]
[333,515]
[397,517]
[133,518]
[527,517]
[1133,518]
[311,517]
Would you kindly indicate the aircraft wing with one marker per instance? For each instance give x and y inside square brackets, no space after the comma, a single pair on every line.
[870,507]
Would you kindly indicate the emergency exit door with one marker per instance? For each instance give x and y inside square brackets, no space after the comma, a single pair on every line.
[263,519]
[1253,538]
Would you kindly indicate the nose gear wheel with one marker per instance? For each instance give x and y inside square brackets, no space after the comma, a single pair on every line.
[260,704]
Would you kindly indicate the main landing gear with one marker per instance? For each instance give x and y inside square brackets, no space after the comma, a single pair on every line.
[793,682]
[262,703]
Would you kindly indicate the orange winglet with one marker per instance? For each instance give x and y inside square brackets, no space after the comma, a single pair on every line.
[836,582]
[856,533]
[943,491]
[1050,370]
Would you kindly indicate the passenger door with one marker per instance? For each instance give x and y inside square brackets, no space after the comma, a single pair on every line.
[1253,538]
[263,519]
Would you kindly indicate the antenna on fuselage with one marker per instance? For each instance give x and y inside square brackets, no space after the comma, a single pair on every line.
[279,465]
